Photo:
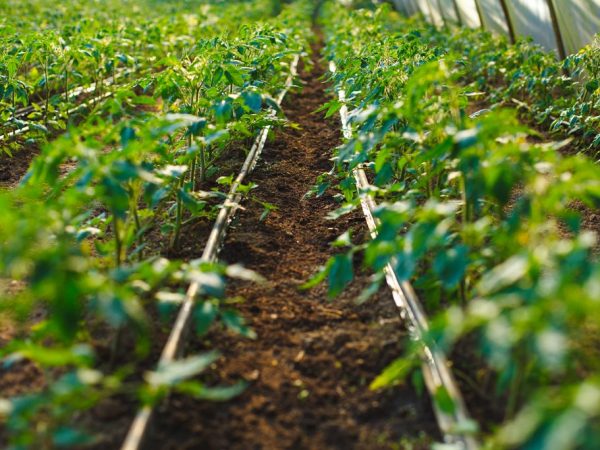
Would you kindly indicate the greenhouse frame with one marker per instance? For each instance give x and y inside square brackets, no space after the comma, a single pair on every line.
[564,26]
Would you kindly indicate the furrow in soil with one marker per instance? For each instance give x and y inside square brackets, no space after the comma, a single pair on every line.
[310,367]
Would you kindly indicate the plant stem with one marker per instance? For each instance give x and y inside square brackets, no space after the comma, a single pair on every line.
[47,92]
[67,91]
[463,292]
[178,218]
[114,345]
[14,104]
[465,199]
[118,243]
[193,174]
[202,163]
[193,165]
[66,86]
[516,384]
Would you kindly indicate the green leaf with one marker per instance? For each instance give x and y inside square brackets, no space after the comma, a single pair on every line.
[466,138]
[182,120]
[67,437]
[223,110]
[592,86]
[369,291]
[222,393]
[234,76]
[204,316]
[444,401]
[341,211]
[503,275]
[225,181]
[343,240]
[218,75]
[48,356]
[451,265]
[253,100]
[405,266]
[241,273]
[218,135]
[172,373]
[341,274]
[170,297]
[209,283]
[127,134]
[396,371]
[334,107]
[39,127]
[215,394]
[267,209]
[318,277]
[235,322]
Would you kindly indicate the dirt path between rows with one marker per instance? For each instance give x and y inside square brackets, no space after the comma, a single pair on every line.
[12,168]
[310,367]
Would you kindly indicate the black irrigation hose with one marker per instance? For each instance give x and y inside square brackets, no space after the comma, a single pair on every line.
[175,343]
[436,369]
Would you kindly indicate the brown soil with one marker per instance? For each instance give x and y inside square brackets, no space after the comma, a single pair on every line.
[13,168]
[310,367]
[590,221]
[195,233]
[312,362]
[478,383]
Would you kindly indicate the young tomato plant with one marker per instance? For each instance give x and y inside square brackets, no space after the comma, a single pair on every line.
[472,211]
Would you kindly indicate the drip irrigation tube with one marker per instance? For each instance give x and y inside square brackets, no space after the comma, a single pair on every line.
[71,111]
[435,365]
[75,93]
[175,343]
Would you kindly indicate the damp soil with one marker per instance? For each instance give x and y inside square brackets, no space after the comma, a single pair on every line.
[12,168]
[195,232]
[313,359]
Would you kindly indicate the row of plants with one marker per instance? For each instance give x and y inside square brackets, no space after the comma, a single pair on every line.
[478,218]
[561,96]
[44,65]
[86,249]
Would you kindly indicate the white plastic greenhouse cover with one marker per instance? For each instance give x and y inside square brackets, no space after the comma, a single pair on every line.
[577,21]
[436,13]
[468,13]
[494,18]
[424,8]
[413,6]
[448,10]
[400,6]
[532,18]
[407,7]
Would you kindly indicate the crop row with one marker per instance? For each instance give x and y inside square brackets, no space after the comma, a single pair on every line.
[84,247]
[479,216]
[562,96]
[42,66]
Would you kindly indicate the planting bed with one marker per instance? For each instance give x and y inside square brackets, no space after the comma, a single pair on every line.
[311,362]
[404,260]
